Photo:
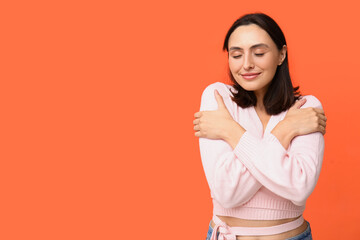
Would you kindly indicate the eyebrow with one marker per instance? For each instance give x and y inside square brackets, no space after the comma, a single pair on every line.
[252,47]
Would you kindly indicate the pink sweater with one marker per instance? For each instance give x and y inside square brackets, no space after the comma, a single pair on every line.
[259,179]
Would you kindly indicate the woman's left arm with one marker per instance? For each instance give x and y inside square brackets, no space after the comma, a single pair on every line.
[290,173]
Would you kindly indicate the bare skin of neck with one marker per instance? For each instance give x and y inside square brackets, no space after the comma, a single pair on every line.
[260,109]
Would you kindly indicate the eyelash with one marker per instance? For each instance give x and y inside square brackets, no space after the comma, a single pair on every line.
[256,54]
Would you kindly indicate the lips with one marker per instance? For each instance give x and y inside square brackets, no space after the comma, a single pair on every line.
[250,76]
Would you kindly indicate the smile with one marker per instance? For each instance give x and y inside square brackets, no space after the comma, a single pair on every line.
[250,76]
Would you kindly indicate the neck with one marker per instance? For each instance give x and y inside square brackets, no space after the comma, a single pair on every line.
[259,102]
[260,93]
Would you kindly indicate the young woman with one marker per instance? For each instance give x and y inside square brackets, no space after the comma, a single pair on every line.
[261,143]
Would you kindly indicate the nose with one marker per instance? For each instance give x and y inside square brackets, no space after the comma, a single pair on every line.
[248,62]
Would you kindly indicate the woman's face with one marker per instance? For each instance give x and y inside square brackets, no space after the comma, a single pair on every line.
[253,58]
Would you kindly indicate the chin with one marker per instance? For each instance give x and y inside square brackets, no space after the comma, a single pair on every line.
[250,87]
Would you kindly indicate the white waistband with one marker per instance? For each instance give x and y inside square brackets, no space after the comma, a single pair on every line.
[230,233]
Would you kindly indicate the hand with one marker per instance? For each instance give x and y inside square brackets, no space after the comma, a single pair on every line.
[213,124]
[306,120]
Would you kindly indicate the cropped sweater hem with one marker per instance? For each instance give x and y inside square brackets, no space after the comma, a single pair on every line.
[266,210]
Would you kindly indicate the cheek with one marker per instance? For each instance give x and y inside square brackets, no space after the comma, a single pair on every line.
[234,65]
[269,64]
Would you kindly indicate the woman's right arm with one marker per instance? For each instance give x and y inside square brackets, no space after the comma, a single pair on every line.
[299,122]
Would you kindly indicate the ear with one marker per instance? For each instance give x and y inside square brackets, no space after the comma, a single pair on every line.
[282,55]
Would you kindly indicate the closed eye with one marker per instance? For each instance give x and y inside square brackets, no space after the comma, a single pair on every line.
[237,56]
[259,54]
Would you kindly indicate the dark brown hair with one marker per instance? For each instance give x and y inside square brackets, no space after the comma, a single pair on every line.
[281,94]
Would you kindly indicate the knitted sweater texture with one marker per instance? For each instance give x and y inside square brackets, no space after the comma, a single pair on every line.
[259,179]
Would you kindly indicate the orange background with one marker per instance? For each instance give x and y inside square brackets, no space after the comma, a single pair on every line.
[97,101]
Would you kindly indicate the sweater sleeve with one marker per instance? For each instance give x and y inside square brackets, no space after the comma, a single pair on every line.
[230,182]
[292,173]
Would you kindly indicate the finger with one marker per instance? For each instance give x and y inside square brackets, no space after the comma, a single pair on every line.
[322,130]
[197,114]
[219,100]
[319,110]
[299,103]
[197,134]
[196,121]
[322,117]
[322,123]
[302,101]
[196,127]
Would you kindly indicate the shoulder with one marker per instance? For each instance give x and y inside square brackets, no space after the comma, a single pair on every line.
[311,101]
[222,88]
[208,100]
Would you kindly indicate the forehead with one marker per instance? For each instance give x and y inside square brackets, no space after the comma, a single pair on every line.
[248,35]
